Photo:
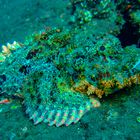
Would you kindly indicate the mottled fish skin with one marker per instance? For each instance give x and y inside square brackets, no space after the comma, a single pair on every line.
[58,92]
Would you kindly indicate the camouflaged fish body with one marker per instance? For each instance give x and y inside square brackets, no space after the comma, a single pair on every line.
[57,73]
[49,105]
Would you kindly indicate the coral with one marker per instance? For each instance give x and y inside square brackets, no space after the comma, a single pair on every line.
[88,13]
[84,16]
[135,16]
[98,8]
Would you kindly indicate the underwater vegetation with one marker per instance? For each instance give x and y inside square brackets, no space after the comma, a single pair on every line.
[60,73]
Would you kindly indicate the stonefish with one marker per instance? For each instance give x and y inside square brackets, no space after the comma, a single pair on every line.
[61,74]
